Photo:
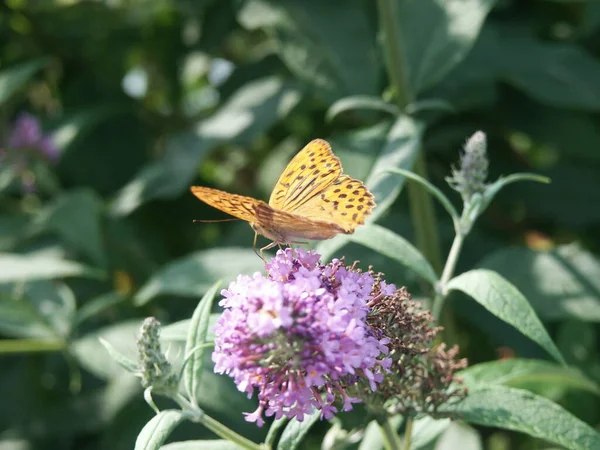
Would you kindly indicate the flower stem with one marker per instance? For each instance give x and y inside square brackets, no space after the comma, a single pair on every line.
[390,437]
[421,204]
[198,415]
[388,19]
[31,345]
[423,216]
[447,274]
[408,434]
[226,433]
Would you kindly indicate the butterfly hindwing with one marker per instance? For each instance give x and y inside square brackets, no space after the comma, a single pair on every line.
[291,227]
[313,169]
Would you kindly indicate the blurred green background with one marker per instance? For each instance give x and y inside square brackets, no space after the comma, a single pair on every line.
[142,99]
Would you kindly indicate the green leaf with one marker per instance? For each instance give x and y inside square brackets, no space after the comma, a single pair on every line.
[336,61]
[524,372]
[204,445]
[197,332]
[15,77]
[36,309]
[360,102]
[16,267]
[505,301]
[295,431]
[560,283]
[373,438]
[165,178]
[395,247]
[221,398]
[73,127]
[437,35]
[426,430]
[555,74]
[572,133]
[274,430]
[14,444]
[577,341]
[97,305]
[400,150]
[494,188]
[445,202]
[92,355]
[12,230]
[358,148]
[75,217]
[249,112]
[459,435]
[519,410]
[126,363]
[158,429]
[178,331]
[196,273]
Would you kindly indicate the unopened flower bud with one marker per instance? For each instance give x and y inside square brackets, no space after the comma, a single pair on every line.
[470,178]
[155,370]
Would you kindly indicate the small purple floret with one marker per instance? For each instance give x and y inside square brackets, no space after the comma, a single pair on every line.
[299,336]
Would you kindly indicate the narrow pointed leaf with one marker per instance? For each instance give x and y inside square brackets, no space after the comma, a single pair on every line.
[156,432]
[519,410]
[395,247]
[14,77]
[295,431]
[517,372]
[194,274]
[505,301]
[197,332]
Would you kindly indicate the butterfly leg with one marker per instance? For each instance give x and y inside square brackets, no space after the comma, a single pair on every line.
[254,246]
[267,247]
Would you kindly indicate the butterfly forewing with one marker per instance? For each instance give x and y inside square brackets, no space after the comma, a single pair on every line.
[312,170]
[346,202]
[237,205]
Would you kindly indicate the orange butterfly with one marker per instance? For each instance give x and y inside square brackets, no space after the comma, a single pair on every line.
[312,199]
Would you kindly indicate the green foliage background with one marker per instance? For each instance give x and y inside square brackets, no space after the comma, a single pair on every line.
[140,102]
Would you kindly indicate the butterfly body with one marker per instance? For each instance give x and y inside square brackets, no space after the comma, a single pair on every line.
[312,200]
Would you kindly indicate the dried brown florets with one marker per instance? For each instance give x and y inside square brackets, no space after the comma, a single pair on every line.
[422,375]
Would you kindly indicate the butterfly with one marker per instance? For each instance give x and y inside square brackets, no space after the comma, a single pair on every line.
[312,200]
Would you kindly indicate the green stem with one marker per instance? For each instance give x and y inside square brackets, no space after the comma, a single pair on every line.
[447,274]
[388,19]
[31,345]
[390,437]
[421,204]
[408,434]
[199,416]
[423,217]
[221,430]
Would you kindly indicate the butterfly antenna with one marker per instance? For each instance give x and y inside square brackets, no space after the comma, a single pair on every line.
[214,221]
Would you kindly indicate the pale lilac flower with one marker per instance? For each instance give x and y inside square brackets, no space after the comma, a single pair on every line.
[27,134]
[26,148]
[299,336]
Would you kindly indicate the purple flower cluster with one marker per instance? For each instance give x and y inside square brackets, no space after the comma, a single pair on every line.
[27,134]
[300,336]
